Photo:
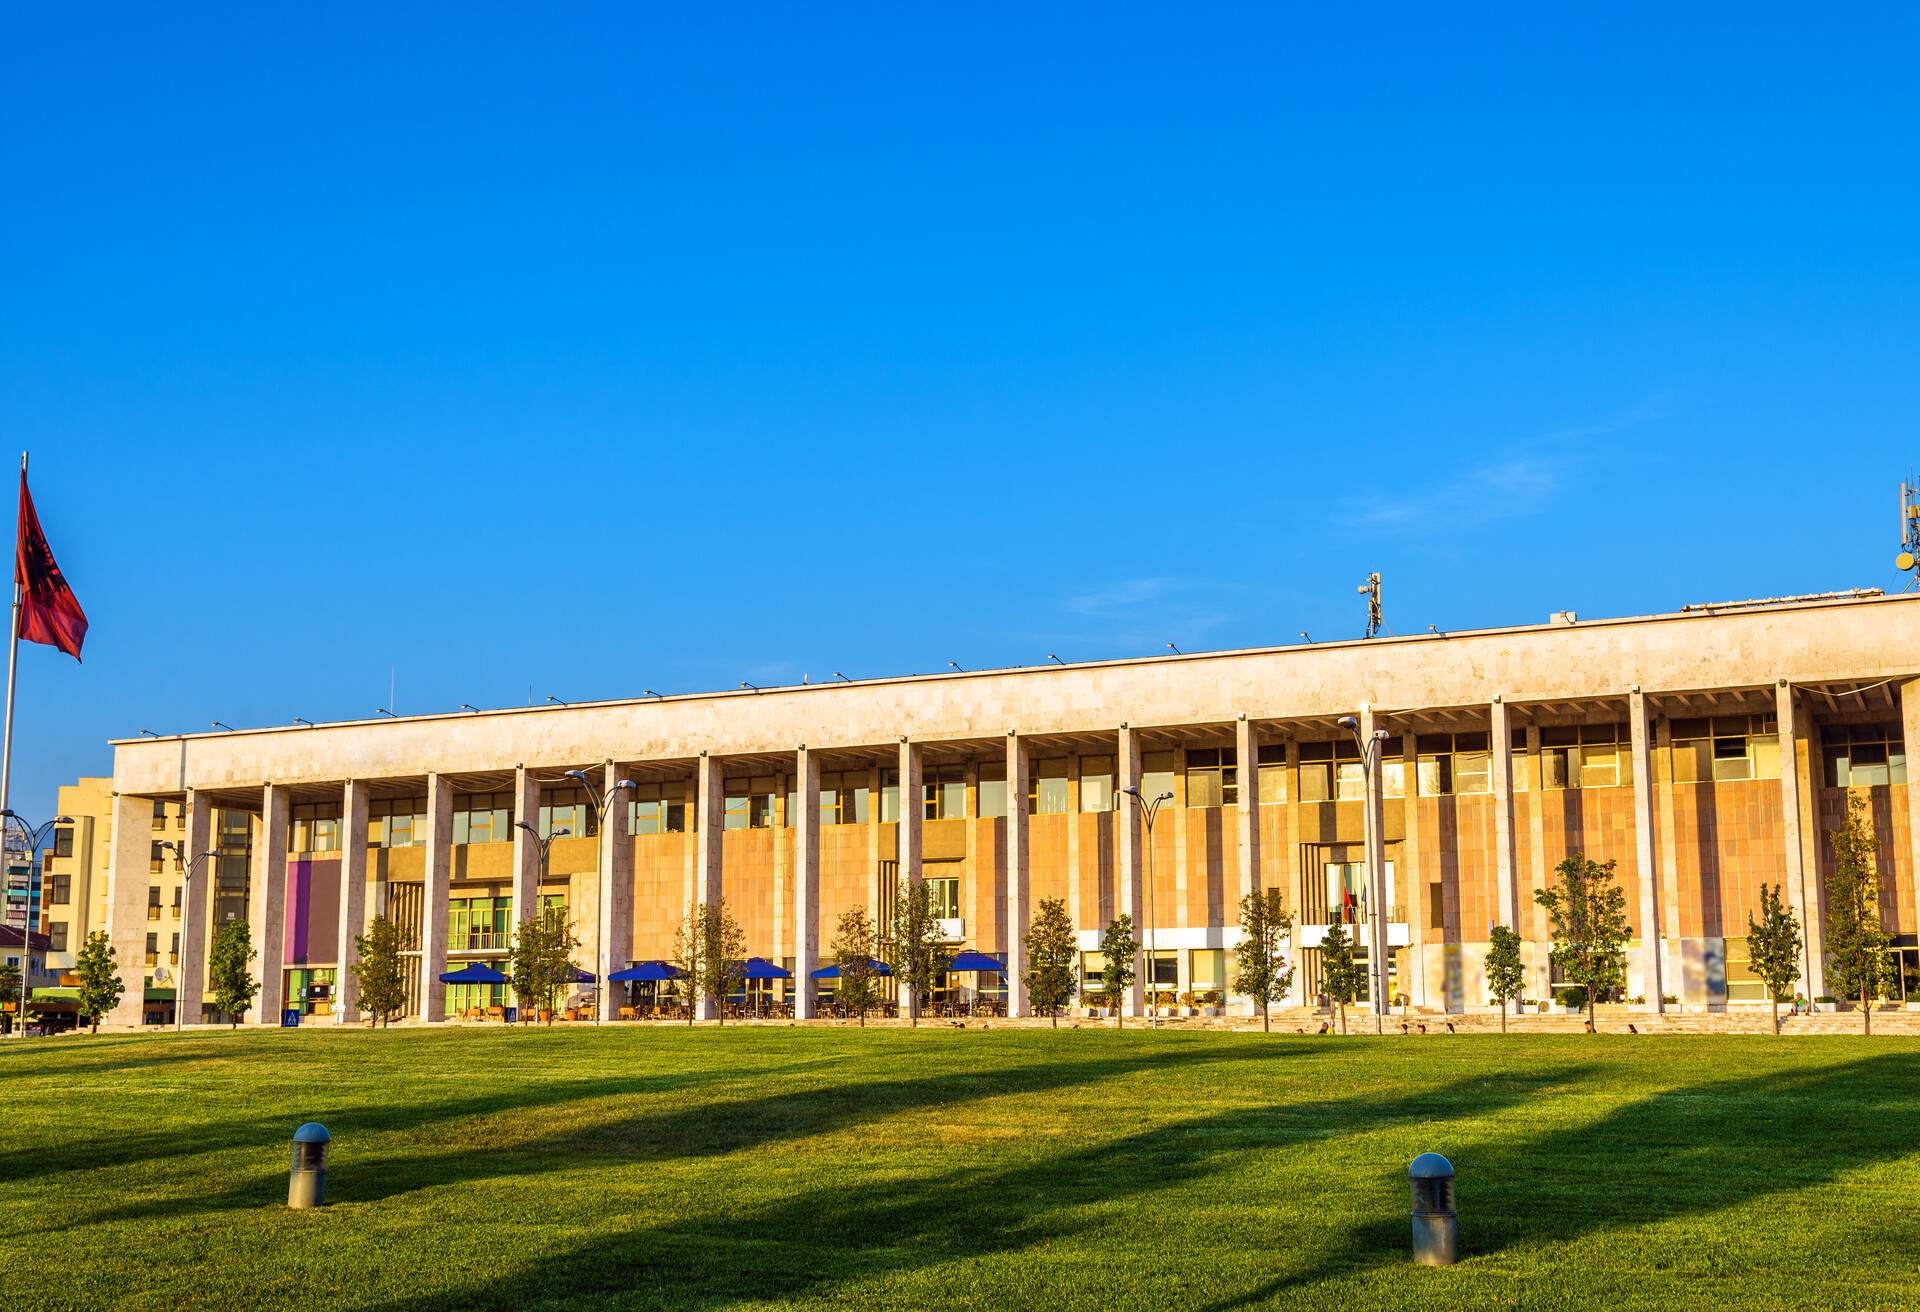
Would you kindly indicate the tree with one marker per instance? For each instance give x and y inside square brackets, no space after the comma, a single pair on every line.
[378,968]
[1120,947]
[854,947]
[230,970]
[917,953]
[1261,970]
[1340,974]
[100,986]
[1588,912]
[1856,940]
[1773,947]
[1052,947]
[11,994]
[540,962]
[707,951]
[1506,975]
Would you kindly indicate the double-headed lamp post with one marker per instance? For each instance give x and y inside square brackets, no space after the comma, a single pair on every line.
[186,863]
[36,835]
[1376,865]
[629,787]
[1148,810]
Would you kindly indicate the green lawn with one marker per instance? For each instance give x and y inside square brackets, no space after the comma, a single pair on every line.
[779,1167]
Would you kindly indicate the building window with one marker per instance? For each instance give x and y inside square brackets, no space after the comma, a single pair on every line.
[889,796]
[478,924]
[943,792]
[57,936]
[1212,779]
[1272,761]
[658,809]
[943,897]
[153,949]
[993,790]
[59,890]
[153,902]
[569,809]
[482,817]
[174,911]
[159,815]
[397,822]
[1864,755]
[1332,772]
[157,855]
[63,841]
[1585,756]
[1093,970]
[1096,783]
[1207,970]
[1047,792]
[1725,747]
[173,950]
[843,797]
[315,827]
[749,802]
[1453,764]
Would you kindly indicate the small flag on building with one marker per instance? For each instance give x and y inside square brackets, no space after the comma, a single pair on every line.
[49,612]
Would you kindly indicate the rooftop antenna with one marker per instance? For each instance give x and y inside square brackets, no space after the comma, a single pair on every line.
[1908,560]
[1371,590]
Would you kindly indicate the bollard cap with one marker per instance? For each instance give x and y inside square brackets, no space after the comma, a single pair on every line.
[1430,1166]
[312,1132]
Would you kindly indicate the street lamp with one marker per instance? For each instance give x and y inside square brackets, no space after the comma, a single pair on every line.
[1376,866]
[1148,811]
[35,835]
[601,807]
[186,864]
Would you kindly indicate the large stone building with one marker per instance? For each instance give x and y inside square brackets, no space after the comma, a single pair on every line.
[1705,753]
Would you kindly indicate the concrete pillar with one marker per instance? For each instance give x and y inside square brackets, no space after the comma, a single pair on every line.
[1019,912]
[908,834]
[196,910]
[526,849]
[806,880]
[1413,880]
[126,926]
[1128,834]
[1506,880]
[616,889]
[267,903]
[710,797]
[433,902]
[1294,874]
[1534,952]
[353,901]
[1246,746]
[1652,964]
[1376,870]
[1802,862]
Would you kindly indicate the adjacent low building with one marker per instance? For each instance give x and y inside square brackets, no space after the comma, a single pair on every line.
[1704,753]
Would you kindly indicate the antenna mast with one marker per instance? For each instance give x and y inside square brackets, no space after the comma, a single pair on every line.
[1371,590]
[1909,557]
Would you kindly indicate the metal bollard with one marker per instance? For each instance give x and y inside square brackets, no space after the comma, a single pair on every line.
[1435,1225]
[307,1182]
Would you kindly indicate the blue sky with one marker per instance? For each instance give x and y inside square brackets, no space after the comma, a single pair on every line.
[610,349]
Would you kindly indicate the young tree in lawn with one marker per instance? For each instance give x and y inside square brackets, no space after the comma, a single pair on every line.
[10,992]
[1773,947]
[708,952]
[1261,969]
[1856,939]
[854,947]
[230,970]
[916,951]
[1506,974]
[100,986]
[1340,974]
[540,962]
[380,970]
[1588,912]
[1052,947]
[1120,947]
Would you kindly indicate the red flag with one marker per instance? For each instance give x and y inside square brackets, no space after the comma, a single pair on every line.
[49,612]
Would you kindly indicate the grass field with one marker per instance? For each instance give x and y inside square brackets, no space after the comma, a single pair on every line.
[746,1167]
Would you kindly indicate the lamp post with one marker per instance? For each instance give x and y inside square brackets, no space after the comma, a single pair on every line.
[1376,866]
[186,864]
[1148,810]
[35,836]
[601,807]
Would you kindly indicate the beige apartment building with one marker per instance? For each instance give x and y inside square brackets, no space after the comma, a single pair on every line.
[1705,753]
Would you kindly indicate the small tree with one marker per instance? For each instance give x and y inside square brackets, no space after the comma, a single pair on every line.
[380,971]
[1051,952]
[1120,947]
[540,962]
[1856,940]
[708,952]
[230,970]
[1773,947]
[1261,970]
[854,946]
[1340,974]
[1506,975]
[12,996]
[916,951]
[1588,912]
[100,986]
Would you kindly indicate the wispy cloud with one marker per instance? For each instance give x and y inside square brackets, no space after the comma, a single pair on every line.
[1146,613]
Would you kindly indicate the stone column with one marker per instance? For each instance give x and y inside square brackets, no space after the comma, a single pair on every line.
[196,910]
[1019,910]
[1652,967]
[1803,870]
[267,903]
[1376,870]
[616,888]
[806,880]
[353,901]
[126,927]
[1413,873]
[907,847]
[1128,833]
[710,846]
[1506,880]
[1246,746]
[1533,952]
[1293,873]
[526,849]
[437,875]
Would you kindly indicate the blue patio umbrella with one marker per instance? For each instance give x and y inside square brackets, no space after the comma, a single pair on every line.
[980,961]
[474,972]
[833,971]
[575,975]
[647,972]
[761,968]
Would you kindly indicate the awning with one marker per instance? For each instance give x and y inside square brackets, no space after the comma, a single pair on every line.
[56,994]
[160,995]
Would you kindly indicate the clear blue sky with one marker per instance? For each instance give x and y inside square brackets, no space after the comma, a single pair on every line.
[588,351]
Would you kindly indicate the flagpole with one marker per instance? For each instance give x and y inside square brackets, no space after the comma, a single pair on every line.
[6,771]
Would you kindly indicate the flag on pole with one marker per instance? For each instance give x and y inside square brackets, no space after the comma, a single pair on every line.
[49,612]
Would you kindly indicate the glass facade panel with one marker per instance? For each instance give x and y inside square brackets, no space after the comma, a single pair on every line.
[1050,794]
[1096,783]
[993,790]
